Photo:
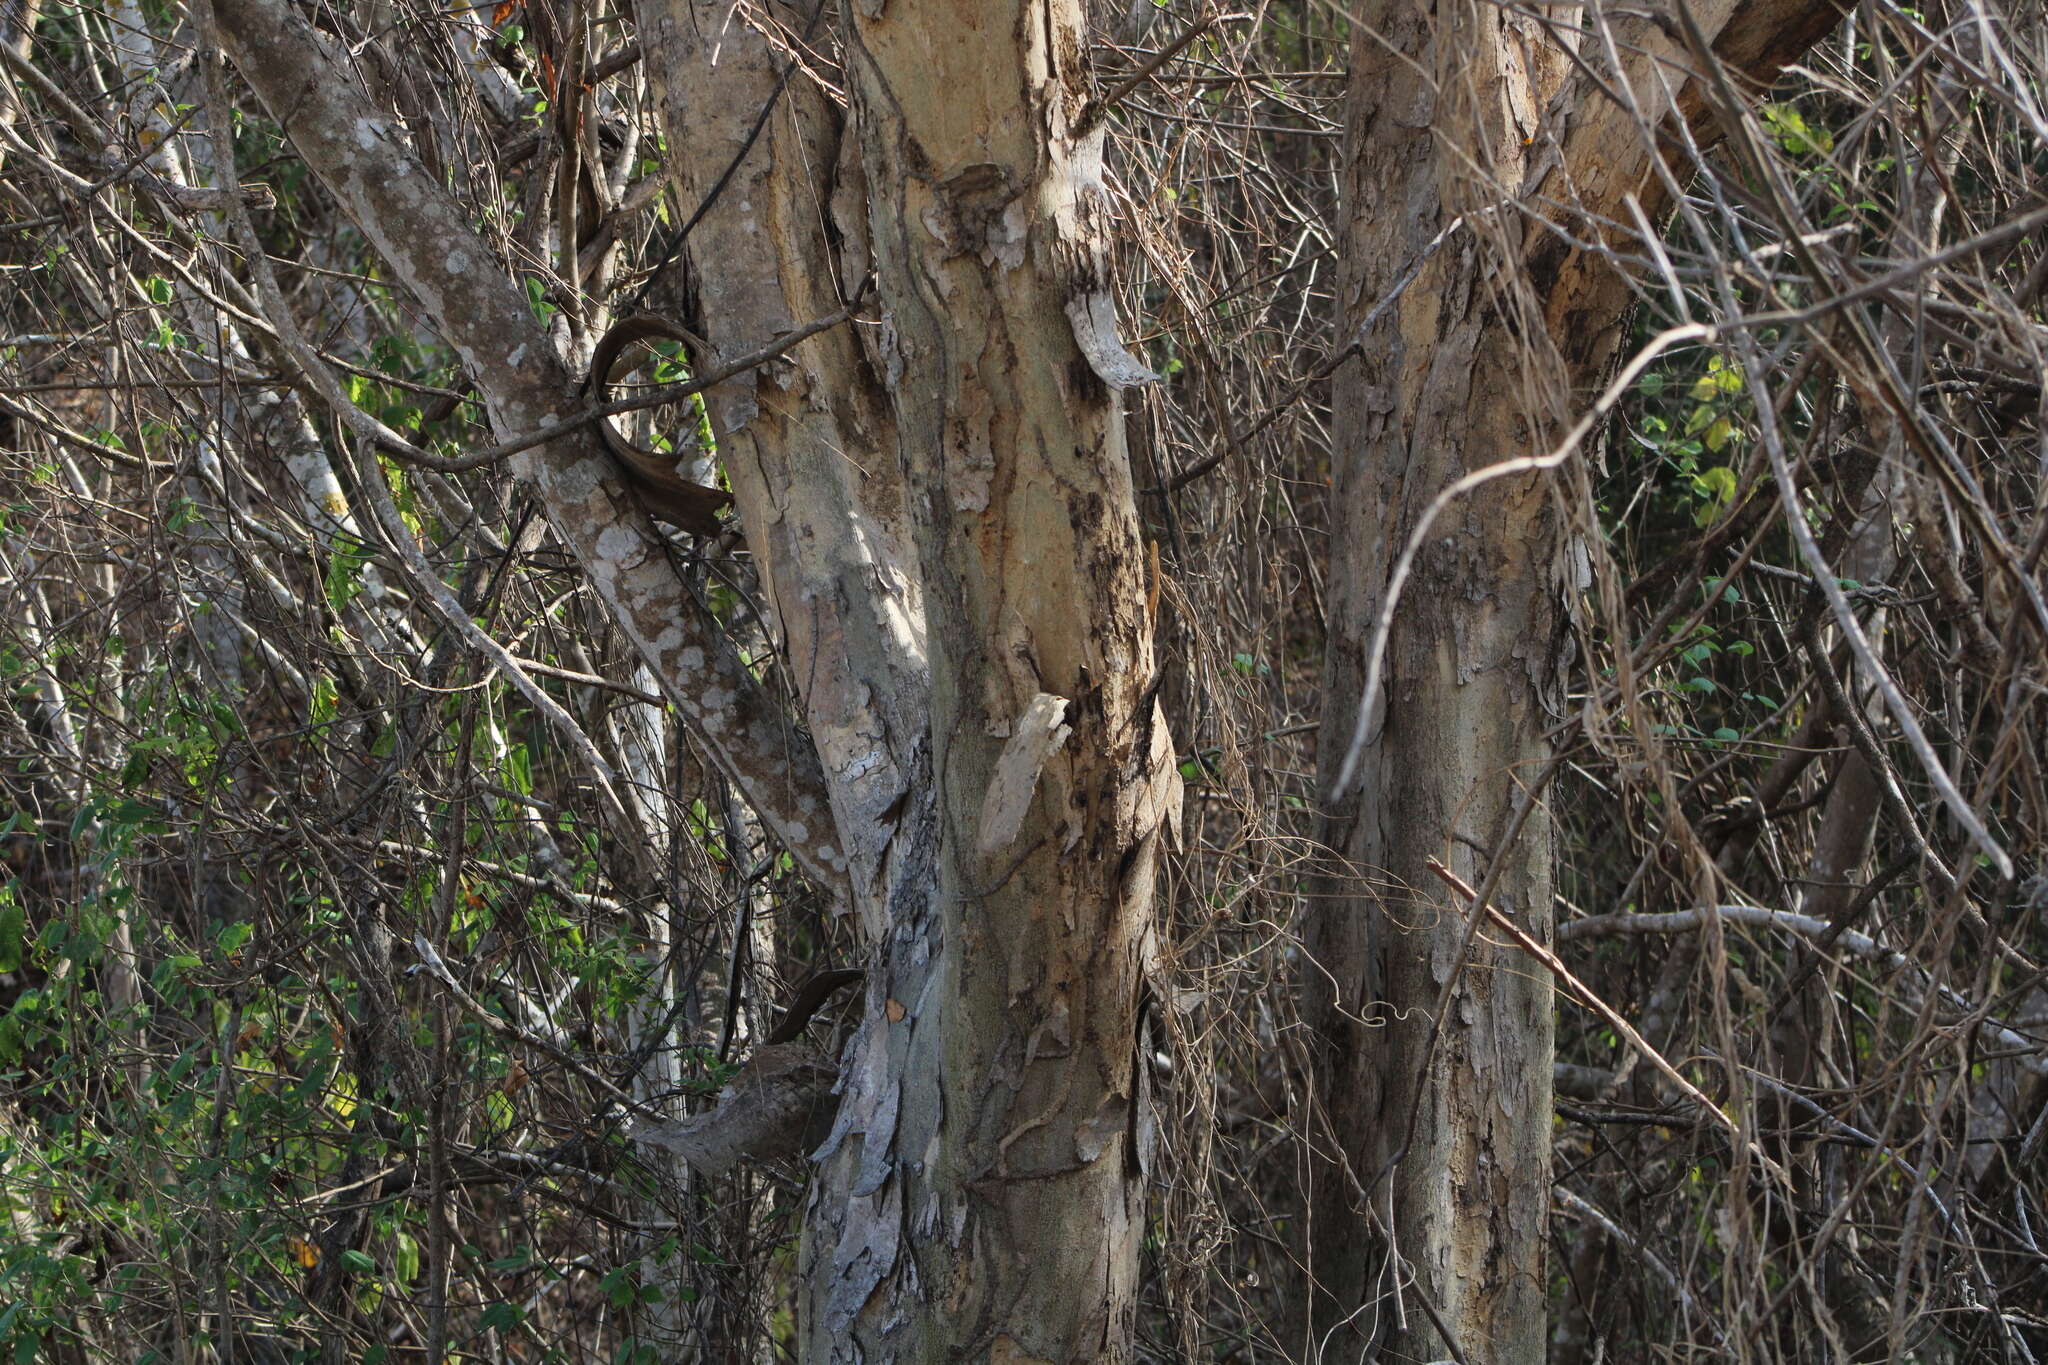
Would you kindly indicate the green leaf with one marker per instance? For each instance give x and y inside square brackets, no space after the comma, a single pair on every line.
[537,300]
[344,572]
[13,928]
[1721,378]
[1717,484]
[322,706]
[519,770]
[618,1285]
[500,1316]
[1794,133]
[405,1258]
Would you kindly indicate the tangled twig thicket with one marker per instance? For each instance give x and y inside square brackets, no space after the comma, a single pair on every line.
[1799,780]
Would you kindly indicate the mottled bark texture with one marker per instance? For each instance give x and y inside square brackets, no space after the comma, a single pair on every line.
[958,462]
[940,507]
[982,1193]
[1468,123]
[808,442]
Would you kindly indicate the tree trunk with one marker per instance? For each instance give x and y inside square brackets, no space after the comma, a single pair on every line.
[1446,1128]
[944,521]
[983,1190]
[1429,1196]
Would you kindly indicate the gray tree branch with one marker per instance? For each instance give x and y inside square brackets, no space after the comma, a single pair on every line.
[361,155]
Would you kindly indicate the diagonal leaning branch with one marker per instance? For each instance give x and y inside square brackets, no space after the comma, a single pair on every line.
[422,233]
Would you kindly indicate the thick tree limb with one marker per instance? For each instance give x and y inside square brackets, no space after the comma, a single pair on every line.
[759,152]
[421,231]
[782,1094]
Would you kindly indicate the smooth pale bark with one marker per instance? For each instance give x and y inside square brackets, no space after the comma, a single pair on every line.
[1469,115]
[808,442]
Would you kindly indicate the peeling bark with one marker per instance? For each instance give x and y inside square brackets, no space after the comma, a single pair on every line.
[1469,125]
[982,1190]
[942,513]
[807,442]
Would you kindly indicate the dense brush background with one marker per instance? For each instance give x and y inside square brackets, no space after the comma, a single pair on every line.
[242,766]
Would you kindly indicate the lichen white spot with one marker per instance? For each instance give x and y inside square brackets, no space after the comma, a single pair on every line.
[616,543]
[458,261]
[693,659]
[578,481]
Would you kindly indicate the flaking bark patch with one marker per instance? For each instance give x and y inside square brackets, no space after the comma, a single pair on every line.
[1036,736]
